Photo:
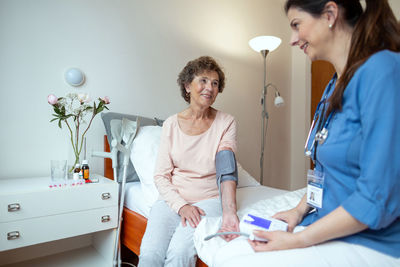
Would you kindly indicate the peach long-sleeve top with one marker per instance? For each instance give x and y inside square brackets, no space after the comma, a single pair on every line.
[185,170]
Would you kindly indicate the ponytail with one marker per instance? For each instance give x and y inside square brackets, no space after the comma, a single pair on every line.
[376,29]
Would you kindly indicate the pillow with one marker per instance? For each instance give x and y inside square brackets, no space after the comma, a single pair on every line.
[245,179]
[144,156]
[107,117]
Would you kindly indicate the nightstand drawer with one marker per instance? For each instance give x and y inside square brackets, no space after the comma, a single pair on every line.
[43,229]
[15,206]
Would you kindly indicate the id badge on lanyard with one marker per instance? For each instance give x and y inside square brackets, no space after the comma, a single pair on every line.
[315,188]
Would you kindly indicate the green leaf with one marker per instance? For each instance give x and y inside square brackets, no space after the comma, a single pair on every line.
[94,108]
[59,110]
[56,109]
[54,119]
[59,124]
[88,108]
[99,109]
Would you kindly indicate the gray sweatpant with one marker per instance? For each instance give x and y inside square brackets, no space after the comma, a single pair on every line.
[166,242]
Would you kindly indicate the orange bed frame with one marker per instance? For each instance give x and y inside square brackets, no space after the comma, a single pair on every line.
[133,224]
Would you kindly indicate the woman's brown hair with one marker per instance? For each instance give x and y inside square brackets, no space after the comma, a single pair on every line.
[196,67]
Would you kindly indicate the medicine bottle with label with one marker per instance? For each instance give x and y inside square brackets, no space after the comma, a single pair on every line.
[85,169]
[77,170]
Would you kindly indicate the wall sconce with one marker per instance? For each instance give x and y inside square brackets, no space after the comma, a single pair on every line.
[264,45]
[74,77]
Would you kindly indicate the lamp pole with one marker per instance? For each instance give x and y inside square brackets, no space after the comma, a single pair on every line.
[264,116]
[265,44]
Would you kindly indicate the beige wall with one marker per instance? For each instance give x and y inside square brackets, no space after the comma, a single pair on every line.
[395,4]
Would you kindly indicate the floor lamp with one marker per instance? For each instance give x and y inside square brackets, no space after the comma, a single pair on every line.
[264,45]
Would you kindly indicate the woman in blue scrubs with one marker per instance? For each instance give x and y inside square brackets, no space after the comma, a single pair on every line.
[355,143]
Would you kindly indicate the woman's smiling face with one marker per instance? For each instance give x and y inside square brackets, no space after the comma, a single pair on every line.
[204,88]
[311,34]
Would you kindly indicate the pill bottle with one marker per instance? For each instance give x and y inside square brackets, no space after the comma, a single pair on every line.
[77,170]
[85,169]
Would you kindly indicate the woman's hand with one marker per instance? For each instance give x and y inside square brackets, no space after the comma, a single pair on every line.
[230,223]
[277,240]
[292,217]
[337,223]
[192,214]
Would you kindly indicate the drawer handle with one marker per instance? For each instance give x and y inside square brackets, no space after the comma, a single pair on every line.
[13,235]
[105,196]
[14,207]
[105,218]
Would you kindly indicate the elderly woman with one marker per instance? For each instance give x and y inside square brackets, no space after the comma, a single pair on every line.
[185,173]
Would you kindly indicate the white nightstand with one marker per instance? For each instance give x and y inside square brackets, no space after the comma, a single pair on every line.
[68,226]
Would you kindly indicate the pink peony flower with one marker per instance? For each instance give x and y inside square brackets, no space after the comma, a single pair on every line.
[52,99]
[106,100]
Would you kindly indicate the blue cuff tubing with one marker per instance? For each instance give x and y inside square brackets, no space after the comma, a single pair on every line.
[225,164]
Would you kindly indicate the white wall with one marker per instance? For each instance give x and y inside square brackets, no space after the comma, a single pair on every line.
[132,51]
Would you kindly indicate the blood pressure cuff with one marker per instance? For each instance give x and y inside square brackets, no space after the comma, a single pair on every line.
[225,164]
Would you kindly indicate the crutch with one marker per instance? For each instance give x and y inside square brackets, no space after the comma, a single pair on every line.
[125,130]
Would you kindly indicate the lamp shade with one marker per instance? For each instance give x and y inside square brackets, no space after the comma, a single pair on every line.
[74,77]
[278,101]
[261,43]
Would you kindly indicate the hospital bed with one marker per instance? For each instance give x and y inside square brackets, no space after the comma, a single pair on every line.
[137,203]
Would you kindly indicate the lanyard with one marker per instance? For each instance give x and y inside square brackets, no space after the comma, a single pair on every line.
[321,133]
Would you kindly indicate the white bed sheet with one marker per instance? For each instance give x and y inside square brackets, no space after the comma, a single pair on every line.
[136,201]
[246,196]
[269,202]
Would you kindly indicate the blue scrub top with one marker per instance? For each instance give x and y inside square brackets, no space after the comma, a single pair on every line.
[361,155]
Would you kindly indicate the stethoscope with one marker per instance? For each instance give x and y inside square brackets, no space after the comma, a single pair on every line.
[322,129]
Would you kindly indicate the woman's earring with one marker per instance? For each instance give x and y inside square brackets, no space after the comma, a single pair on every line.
[330,26]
